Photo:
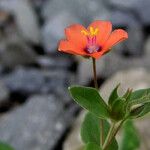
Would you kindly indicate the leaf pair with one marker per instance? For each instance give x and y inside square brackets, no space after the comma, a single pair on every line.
[134,104]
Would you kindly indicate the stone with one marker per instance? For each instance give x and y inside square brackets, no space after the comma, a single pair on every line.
[4,92]
[123,19]
[135,42]
[29,81]
[91,8]
[143,11]
[147,47]
[73,140]
[25,80]
[26,18]
[38,3]
[12,45]
[114,62]
[50,62]
[142,125]
[124,4]
[138,7]
[53,30]
[36,125]
[12,52]
[131,78]
[85,72]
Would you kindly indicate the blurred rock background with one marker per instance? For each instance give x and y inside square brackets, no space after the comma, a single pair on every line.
[36,112]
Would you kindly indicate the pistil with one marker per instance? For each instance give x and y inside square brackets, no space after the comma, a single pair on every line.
[92,45]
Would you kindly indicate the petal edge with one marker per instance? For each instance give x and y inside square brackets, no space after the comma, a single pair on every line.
[116,37]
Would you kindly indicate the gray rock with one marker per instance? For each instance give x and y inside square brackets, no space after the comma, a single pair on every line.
[113,63]
[26,80]
[31,81]
[147,47]
[4,92]
[15,53]
[126,4]
[26,18]
[140,8]
[143,11]
[38,3]
[73,140]
[123,18]
[85,72]
[37,125]
[131,78]
[135,43]
[13,50]
[86,10]
[50,62]
[53,30]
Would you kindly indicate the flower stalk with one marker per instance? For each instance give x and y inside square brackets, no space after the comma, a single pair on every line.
[96,86]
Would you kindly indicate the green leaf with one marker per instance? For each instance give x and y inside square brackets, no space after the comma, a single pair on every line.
[118,109]
[131,139]
[92,146]
[127,95]
[140,97]
[135,112]
[90,99]
[139,93]
[90,131]
[5,146]
[114,95]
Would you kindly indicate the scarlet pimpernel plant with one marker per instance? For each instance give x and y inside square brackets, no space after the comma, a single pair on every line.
[104,117]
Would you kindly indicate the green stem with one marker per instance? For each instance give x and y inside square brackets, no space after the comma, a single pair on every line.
[112,135]
[109,136]
[96,86]
[118,128]
[94,73]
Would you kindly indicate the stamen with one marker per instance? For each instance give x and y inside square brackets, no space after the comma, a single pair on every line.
[85,32]
[96,31]
[92,32]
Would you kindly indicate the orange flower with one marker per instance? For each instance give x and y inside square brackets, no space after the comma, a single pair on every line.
[94,41]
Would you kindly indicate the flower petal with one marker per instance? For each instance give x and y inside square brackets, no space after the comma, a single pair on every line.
[97,54]
[104,30]
[115,37]
[75,36]
[68,47]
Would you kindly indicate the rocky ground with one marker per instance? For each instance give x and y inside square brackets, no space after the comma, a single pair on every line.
[35,109]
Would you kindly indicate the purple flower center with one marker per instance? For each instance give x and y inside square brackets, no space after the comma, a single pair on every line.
[92,46]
